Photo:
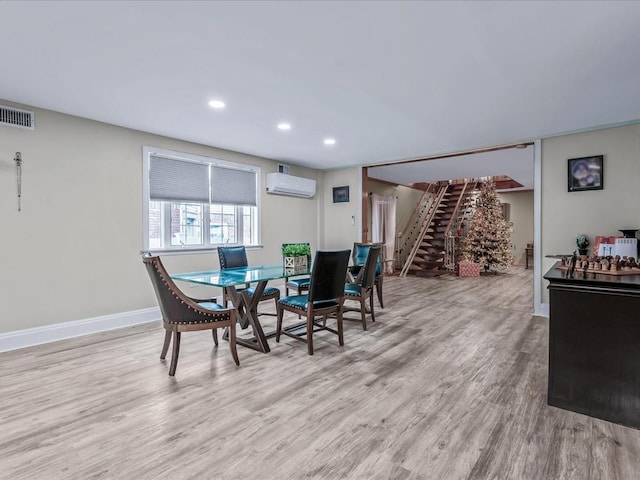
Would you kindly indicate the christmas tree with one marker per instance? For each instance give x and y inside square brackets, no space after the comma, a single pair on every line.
[488,241]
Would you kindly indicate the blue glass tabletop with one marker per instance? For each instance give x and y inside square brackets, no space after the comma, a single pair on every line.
[237,276]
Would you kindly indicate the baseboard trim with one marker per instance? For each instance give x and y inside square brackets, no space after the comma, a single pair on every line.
[542,310]
[61,331]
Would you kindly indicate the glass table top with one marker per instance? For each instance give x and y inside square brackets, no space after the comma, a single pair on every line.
[236,276]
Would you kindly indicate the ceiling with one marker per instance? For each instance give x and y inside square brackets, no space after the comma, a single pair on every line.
[387,80]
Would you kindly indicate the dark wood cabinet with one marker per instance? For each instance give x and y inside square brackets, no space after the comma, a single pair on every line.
[594,345]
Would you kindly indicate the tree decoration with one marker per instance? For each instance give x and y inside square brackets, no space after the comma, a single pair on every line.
[488,241]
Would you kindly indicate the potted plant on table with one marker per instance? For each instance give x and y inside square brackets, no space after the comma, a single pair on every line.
[582,242]
[295,257]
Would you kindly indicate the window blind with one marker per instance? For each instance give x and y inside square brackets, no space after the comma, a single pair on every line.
[176,180]
[233,187]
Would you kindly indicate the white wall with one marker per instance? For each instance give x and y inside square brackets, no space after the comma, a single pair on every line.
[74,250]
[339,230]
[407,200]
[599,212]
[521,218]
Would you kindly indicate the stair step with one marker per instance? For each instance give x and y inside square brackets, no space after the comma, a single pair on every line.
[430,273]
[428,265]
[436,256]
[430,256]
[435,253]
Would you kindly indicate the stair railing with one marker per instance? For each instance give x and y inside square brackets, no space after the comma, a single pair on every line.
[452,237]
[414,223]
[433,208]
[454,214]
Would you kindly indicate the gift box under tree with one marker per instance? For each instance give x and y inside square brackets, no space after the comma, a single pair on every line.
[468,269]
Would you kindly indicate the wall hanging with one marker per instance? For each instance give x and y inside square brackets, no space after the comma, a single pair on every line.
[18,161]
[585,173]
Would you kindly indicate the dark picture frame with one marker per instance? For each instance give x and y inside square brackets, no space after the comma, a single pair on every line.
[341,194]
[585,173]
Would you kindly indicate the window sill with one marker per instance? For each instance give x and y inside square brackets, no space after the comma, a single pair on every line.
[193,251]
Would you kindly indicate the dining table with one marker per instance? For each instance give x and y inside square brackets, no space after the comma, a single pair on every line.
[234,281]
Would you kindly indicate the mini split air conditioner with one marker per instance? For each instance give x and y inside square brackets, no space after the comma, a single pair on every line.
[281,184]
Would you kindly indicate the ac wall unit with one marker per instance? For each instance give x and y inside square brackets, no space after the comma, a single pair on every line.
[281,184]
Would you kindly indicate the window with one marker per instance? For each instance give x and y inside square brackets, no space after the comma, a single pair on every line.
[194,202]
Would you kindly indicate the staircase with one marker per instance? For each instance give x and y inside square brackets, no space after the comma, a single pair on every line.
[427,258]
[407,236]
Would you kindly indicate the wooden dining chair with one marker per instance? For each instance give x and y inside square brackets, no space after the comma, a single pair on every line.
[234,257]
[325,297]
[362,290]
[184,314]
[359,257]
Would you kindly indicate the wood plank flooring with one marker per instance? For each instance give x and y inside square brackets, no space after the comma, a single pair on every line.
[449,383]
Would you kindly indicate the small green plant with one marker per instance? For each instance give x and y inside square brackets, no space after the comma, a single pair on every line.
[296,250]
[582,242]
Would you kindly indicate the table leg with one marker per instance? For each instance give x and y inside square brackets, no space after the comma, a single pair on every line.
[247,307]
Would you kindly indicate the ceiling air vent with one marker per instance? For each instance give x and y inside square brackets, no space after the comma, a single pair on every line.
[14,117]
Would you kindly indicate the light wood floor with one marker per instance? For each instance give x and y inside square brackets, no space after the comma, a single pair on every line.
[449,383]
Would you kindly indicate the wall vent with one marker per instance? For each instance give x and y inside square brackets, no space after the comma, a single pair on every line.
[283,169]
[14,117]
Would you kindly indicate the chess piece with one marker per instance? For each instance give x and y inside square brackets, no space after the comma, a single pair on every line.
[572,264]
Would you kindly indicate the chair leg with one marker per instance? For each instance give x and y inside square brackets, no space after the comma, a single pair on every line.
[280,312]
[232,343]
[340,327]
[379,292]
[373,316]
[176,352]
[363,311]
[165,347]
[310,334]
[214,332]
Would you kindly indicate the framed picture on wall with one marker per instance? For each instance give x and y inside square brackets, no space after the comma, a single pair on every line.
[340,194]
[585,173]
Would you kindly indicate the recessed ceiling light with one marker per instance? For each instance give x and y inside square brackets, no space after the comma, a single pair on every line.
[284,126]
[329,141]
[216,104]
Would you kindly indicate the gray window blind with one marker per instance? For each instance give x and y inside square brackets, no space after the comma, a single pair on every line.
[175,180]
[233,187]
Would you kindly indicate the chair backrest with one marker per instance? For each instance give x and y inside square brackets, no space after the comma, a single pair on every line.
[328,274]
[361,251]
[174,304]
[232,257]
[371,266]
